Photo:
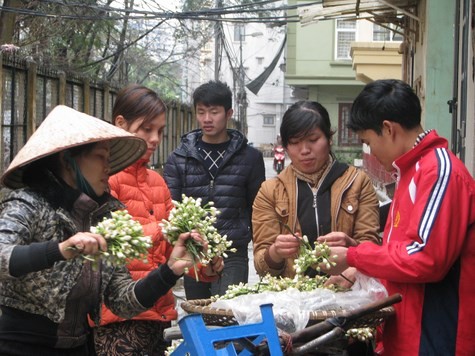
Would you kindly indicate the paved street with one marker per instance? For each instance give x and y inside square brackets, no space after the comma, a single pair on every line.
[268,162]
[270,173]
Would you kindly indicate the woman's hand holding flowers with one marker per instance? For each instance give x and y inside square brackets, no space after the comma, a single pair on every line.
[83,243]
[284,246]
[190,215]
[318,257]
[114,241]
[181,259]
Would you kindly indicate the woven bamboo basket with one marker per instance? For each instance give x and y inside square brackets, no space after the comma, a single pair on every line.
[225,317]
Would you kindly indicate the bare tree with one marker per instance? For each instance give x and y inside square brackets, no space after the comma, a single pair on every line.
[131,42]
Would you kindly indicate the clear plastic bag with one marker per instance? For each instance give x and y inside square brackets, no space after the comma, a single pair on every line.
[287,307]
[292,308]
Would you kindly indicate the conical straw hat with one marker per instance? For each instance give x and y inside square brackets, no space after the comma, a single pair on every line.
[64,128]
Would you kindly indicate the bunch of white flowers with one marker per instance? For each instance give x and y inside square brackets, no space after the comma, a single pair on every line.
[270,283]
[125,240]
[361,334]
[189,215]
[172,348]
[312,257]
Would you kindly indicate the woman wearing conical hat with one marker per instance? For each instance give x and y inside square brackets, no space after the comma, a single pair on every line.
[60,189]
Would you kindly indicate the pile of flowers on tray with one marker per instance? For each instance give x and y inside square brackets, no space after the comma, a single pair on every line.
[190,214]
[317,257]
[125,240]
[270,283]
[308,257]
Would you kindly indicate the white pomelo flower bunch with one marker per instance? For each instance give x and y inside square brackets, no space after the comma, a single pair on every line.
[312,257]
[125,240]
[189,215]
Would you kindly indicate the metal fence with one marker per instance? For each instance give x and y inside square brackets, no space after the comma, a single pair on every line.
[28,92]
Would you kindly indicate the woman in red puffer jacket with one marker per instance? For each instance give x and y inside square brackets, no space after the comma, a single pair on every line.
[139,110]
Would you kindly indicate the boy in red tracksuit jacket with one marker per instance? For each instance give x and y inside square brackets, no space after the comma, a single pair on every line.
[428,250]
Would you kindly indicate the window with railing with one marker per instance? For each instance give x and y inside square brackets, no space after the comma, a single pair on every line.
[346,137]
[345,34]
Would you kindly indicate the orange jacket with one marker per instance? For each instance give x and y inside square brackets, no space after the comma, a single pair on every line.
[147,199]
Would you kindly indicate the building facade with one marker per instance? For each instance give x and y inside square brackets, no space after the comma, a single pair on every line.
[238,54]
[437,52]
[320,67]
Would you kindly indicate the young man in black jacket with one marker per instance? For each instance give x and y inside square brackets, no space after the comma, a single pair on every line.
[216,164]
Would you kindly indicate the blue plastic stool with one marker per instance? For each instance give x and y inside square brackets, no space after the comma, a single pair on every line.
[198,340]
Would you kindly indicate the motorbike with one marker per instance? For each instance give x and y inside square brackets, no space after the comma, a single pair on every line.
[279,158]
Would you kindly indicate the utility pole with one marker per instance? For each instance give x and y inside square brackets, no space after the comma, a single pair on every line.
[242,99]
[217,42]
[242,95]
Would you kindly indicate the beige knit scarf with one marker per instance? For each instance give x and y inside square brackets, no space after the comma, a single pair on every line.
[314,178]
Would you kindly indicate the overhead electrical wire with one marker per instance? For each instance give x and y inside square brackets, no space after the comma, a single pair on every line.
[202,15]
[211,11]
[213,14]
[163,16]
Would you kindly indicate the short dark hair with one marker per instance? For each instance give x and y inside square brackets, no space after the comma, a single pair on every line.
[213,93]
[303,117]
[385,99]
